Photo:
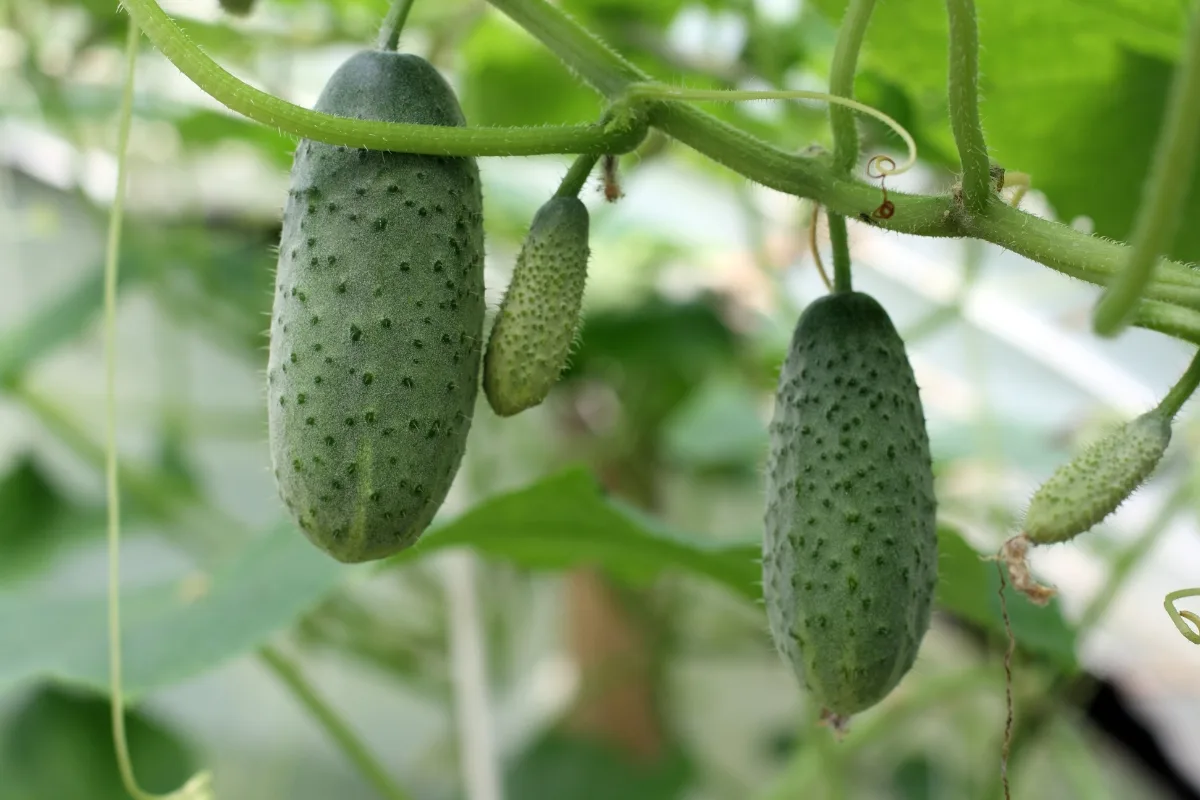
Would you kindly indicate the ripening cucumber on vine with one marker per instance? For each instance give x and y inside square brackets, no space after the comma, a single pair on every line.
[1096,482]
[378,318]
[850,549]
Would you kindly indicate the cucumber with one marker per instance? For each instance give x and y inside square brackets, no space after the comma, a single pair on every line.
[850,548]
[1094,483]
[377,321]
[539,316]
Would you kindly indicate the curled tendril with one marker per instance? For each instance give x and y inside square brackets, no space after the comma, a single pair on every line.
[878,168]
[1192,632]
[650,91]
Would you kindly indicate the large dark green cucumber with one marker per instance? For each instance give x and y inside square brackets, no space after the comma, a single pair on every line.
[850,551]
[378,319]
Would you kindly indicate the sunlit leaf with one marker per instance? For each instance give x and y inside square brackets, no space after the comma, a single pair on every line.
[566,521]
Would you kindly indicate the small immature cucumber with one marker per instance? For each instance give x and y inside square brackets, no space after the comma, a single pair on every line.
[378,319]
[539,316]
[850,551]
[1092,485]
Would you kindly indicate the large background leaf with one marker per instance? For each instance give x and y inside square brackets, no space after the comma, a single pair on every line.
[171,632]
[1072,93]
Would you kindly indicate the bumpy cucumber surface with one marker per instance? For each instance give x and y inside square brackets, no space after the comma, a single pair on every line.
[378,319]
[850,551]
[1092,485]
[539,316]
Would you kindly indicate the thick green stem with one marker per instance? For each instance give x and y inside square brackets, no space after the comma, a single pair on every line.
[619,136]
[841,82]
[350,745]
[1181,323]
[576,177]
[964,105]
[839,243]
[1183,389]
[1062,248]
[393,24]
[1164,192]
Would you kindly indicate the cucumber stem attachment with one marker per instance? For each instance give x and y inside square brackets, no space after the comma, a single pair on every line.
[577,175]
[393,24]
[1183,389]
[839,242]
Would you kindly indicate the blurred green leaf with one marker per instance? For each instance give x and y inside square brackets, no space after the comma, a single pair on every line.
[58,745]
[227,270]
[718,426]
[51,327]
[171,631]
[653,354]
[38,519]
[617,12]
[969,587]
[566,521]
[511,79]
[560,765]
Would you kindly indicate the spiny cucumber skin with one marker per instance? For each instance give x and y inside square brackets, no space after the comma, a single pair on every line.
[378,319]
[539,316]
[850,548]
[1092,485]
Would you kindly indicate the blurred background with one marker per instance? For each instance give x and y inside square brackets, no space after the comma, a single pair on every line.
[626,655]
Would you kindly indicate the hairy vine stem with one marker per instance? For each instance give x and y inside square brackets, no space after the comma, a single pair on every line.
[1164,193]
[964,105]
[621,134]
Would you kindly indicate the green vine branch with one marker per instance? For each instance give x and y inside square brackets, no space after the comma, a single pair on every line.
[841,82]
[964,105]
[620,134]
[1057,246]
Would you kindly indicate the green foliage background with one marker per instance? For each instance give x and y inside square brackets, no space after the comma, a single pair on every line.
[644,464]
